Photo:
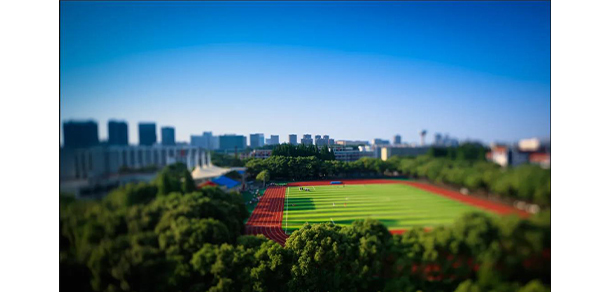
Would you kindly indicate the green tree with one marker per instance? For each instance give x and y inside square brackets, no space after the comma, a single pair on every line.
[263,176]
[324,259]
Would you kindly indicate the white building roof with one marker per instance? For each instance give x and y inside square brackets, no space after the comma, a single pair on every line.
[209,170]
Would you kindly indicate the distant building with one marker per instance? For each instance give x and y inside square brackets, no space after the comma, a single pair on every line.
[96,170]
[80,134]
[346,154]
[306,140]
[117,133]
[168,136]
[438,139]
[323,140]
[542,159]
[215,142]
[147,134]
[257,153]
[273,140]
[504,155]
[205,141]
[257,140]
[198,141]
[499,154]
[526,151]
[450,142]
[292,139]
[387,152]
[378,141]
[397,140]
[446,141]
[532,144]
[351,143]
[367,151]
[231,142]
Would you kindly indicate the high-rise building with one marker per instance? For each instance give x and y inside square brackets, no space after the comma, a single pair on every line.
[231,142]
[198,141]
[117,133]
[208,139]
[322,140]
[205,141]
[438,139]
[215,142]
[306,140]
[273,140]
[292,139]
[397,140]
[147,133]
[168,136]
[80,134]
[257,140]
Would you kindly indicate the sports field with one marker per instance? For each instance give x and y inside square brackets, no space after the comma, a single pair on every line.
[398,206]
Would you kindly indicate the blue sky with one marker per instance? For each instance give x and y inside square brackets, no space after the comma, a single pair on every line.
[353,70]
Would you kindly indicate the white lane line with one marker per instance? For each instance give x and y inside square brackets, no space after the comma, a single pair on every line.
[286,207]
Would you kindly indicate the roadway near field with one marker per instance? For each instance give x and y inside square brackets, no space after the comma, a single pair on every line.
[398,206]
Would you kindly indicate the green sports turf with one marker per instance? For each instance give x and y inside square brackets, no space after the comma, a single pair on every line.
[398,206]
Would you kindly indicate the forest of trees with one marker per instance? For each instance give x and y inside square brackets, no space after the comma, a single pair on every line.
[525,182]
[302,150]
[167,236]
[226,160]
[303,168]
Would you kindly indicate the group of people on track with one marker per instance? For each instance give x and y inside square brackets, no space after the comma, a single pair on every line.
[257,197]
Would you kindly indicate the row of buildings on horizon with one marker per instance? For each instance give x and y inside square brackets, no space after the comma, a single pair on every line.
[85,134]
[84,157]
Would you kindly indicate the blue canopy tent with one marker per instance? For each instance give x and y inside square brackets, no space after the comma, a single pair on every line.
[226,182]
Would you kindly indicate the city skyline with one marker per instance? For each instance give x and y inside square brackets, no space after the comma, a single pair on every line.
[264,138]
[475,70]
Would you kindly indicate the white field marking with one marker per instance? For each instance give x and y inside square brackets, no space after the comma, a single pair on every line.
[331,220]
[314,188]
[286,204]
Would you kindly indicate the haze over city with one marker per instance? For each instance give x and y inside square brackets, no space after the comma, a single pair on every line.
[350,70]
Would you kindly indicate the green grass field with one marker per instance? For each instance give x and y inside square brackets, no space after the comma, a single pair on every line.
[397,206]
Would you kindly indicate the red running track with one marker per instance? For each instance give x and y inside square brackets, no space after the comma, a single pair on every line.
[266,219]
